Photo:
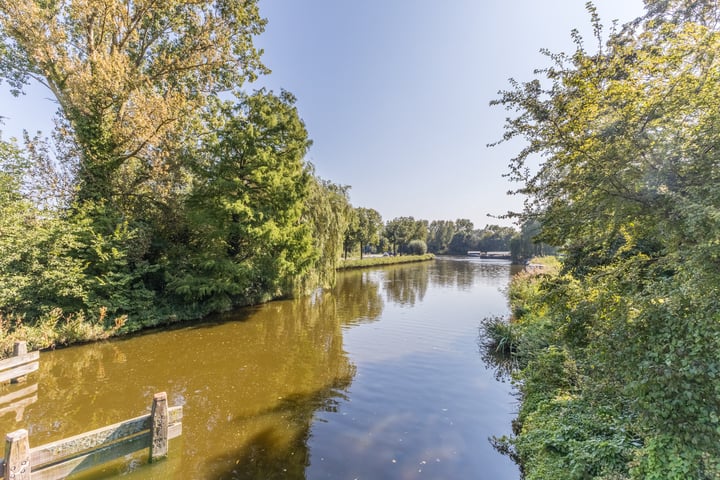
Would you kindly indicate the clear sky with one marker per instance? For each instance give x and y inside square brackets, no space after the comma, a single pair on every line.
[395,93]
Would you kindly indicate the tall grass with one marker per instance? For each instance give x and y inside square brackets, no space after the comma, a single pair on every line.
[54,329]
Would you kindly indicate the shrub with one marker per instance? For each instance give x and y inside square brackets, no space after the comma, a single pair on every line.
[417,247]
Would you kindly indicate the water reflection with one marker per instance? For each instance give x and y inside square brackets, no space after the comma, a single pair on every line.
[274,391]
[250,385]
[464,273]
[406,285]
[358,297]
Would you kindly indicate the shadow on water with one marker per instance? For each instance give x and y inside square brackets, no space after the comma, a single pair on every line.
[278,451]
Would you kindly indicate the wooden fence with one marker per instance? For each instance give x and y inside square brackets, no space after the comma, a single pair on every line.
[15,370]
[17,367]
[82,452]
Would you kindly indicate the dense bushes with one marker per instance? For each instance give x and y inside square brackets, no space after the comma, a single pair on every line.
[627,336]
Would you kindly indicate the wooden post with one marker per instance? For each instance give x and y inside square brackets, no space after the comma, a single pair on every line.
[19,348]
[17,456]
[159,427]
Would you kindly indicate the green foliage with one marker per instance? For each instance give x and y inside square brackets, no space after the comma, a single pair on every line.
[627,186]
[523,245]
[363,229]
[130,80]
[459,237]
[440,233]
[566,437]
[416,247]
[328,213]
[155,200]
[246,242]
[401,230]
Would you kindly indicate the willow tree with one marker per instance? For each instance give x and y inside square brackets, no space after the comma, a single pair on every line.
[627,141]
[129,78]
[328,213]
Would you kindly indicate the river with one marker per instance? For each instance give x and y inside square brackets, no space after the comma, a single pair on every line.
[381,378]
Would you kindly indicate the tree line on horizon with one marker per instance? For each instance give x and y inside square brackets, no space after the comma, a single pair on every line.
[405,235]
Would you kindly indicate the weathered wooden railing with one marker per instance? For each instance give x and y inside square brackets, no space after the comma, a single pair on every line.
[81,452]
[18,400]
[17,367]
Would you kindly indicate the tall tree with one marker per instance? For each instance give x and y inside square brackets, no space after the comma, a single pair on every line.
[399,231]
[628,186]
[369,227]
[246,241]
[440,233]
[327,212]
[129,78]
[352,233]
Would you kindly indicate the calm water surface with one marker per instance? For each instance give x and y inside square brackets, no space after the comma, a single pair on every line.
[379,379]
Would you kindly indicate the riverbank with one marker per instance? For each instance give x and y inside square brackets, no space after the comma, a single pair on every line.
[56,329]
[577,416]
[367,262]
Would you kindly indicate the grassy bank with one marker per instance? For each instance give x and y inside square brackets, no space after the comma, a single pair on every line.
[55,329]
[379,261]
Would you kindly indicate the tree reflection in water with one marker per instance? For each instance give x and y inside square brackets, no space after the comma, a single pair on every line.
[258,384]
[250,384]
[358,296]
[406,285]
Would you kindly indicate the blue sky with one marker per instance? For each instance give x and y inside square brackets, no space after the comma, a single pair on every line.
[395,93]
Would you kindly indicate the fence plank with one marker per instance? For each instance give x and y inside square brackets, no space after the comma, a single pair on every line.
[101,437]
[17,456]
[159,427]
[20,360]
[103,455]
[19,348]
[93,459]
[18,394]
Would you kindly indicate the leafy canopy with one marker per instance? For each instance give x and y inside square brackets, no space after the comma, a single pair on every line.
[625,140]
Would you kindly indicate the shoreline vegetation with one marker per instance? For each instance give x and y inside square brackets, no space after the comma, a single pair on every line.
[367,262]
[616,358]
[58,330]
[576,417]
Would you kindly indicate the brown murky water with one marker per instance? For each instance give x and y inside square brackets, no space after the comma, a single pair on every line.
[379,379]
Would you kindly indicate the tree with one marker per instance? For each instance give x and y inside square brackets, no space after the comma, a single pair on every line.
[245,238]
[401,230]
[365,228]
[327,212]
[463,225]
[494,238]
[369,227]
[352,233]
[440,233]
[130,78]
[627,186]
[416,247]
[523,245]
